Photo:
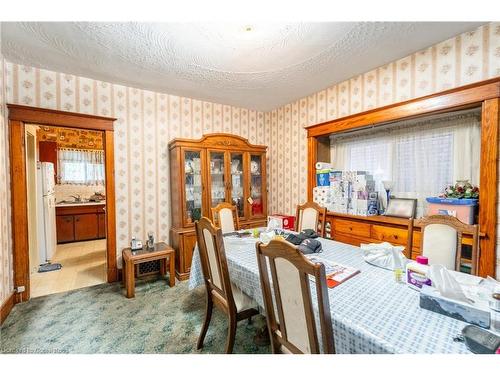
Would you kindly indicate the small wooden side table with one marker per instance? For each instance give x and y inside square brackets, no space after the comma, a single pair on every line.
[130,258]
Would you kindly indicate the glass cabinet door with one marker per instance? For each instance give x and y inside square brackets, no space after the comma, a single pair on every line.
[193,185]
[256,188]
[237,183]
[217,178]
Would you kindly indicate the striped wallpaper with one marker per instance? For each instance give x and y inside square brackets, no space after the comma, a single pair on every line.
[148,120]
[5,219]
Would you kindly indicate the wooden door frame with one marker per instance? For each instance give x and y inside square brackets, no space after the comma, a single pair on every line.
[484,95]
[20,115]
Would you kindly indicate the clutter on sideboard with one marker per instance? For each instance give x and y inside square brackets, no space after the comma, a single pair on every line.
[348,192]
[460,200]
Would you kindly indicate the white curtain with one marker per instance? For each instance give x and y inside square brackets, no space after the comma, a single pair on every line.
[421,157]
[83,167]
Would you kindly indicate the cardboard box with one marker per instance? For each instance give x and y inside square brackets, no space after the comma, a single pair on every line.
[283,221]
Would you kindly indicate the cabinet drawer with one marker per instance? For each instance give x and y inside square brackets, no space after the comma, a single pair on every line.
[351,227]
[396,236]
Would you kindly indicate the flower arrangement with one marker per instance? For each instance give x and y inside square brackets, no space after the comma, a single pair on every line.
[461,190]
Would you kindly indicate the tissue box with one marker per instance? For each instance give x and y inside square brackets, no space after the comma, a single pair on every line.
[431,300]
[284,221]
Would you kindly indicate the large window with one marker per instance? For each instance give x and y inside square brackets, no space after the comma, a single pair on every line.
[421,157]
[83,167]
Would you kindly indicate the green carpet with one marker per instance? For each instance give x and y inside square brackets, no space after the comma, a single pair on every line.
[100,319]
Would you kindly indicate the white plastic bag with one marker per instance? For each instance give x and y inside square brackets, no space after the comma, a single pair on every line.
[384,255]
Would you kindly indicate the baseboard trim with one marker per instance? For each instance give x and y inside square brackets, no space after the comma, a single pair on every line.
[6,308]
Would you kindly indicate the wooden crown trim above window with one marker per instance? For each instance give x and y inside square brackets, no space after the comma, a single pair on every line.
[50,117]
[462,97]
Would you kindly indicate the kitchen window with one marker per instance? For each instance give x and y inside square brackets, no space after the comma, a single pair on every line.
[81,167]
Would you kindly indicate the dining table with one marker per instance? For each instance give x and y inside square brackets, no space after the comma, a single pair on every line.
[371,312]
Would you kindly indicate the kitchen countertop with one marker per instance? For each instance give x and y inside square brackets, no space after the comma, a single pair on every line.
[76,204]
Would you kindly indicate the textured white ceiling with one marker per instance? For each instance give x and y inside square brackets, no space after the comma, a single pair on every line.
[268,66]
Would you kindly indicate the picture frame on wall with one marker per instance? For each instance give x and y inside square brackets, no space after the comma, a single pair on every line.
[402,207]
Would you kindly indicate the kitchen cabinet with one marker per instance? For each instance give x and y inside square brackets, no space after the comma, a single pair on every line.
[65,225]
[205,172]
[80,222]
[47,151]
[86,227]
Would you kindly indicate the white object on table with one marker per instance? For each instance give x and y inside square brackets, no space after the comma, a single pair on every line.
[384,255]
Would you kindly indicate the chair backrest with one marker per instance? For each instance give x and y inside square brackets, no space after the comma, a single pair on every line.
[225,216]
[309,215]
[441,240]
[214,263]
[288,296]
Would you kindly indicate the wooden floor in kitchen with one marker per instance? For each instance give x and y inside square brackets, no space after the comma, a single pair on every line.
[83,264]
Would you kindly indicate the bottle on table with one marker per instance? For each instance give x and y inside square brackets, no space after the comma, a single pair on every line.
[417,273]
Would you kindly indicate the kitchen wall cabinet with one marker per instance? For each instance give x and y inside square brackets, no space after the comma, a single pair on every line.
[80,223]
[48,153]
[216,168]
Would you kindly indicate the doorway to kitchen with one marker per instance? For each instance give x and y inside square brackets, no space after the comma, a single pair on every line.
[66,222]
[63,211]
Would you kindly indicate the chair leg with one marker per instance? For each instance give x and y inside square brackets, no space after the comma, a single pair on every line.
[231,334]
[206,322]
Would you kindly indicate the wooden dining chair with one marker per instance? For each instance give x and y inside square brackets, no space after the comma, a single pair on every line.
[225,216]
[294,329]
[441,240]
[310,215]
[220,291]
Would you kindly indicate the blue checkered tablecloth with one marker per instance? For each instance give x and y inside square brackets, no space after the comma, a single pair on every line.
[371,313]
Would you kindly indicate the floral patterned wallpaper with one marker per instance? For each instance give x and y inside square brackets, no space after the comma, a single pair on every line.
[71,138]
[148,120]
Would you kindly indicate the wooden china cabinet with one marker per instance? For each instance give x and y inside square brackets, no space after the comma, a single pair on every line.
[216,168]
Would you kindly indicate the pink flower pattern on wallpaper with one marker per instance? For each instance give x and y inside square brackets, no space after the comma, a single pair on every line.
[147,121]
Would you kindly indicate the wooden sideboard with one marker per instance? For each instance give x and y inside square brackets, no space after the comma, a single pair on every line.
[357,230]
[80,223]
[205,172]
